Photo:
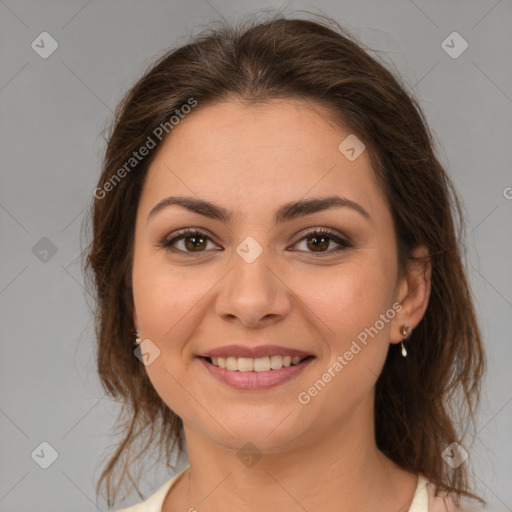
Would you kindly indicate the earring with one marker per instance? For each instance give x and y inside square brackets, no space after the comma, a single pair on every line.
[137,338]
[405,331]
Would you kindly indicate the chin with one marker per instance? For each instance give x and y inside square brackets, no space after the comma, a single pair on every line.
[267,437]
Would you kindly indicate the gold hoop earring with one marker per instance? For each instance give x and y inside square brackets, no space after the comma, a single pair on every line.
[405,331]
[137,338]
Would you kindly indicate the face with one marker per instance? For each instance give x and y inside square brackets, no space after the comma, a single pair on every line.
[320,280]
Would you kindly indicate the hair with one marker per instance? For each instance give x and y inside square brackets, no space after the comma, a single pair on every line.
[418,401]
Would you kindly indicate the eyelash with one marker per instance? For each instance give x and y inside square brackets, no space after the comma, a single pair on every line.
[167,243]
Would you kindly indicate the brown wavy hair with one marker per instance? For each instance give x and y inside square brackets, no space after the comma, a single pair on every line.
[418,401]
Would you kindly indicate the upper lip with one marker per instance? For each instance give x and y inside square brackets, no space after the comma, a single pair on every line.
[260,351]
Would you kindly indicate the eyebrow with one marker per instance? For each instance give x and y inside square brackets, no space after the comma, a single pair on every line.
[285,213]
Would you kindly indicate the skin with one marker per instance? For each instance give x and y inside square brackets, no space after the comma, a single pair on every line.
[251,160]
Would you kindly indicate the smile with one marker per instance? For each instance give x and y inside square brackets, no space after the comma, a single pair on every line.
[256,364]
[245,373]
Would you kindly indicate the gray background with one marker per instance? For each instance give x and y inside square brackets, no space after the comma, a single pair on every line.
[53,115]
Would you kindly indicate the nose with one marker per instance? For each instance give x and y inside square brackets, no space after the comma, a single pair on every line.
[253,294]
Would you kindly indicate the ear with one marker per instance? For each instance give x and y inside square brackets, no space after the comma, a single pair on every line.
[413,293]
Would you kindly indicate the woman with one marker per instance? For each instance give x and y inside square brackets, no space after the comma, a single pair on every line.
[273,226]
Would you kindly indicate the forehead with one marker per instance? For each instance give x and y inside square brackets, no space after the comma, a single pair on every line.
[259,154]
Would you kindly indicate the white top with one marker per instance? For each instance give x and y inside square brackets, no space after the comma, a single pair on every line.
[423,501]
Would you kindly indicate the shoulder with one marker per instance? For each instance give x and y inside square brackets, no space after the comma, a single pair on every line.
[154,502]
[446,502]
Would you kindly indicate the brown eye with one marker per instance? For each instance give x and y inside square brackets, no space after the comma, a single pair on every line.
[194,241]
[319,241]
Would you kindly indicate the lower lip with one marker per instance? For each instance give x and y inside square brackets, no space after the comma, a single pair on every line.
[255,380]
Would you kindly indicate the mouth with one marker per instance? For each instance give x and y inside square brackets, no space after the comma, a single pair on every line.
[255,364]
[260,373]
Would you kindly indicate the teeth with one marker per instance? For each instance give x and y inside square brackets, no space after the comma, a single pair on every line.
[245,364]
[261,364]
[231,363]
[257,364]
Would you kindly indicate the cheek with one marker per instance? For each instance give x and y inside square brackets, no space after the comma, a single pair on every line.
[166,301]
[348,307]
[164,294]
[351,298]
